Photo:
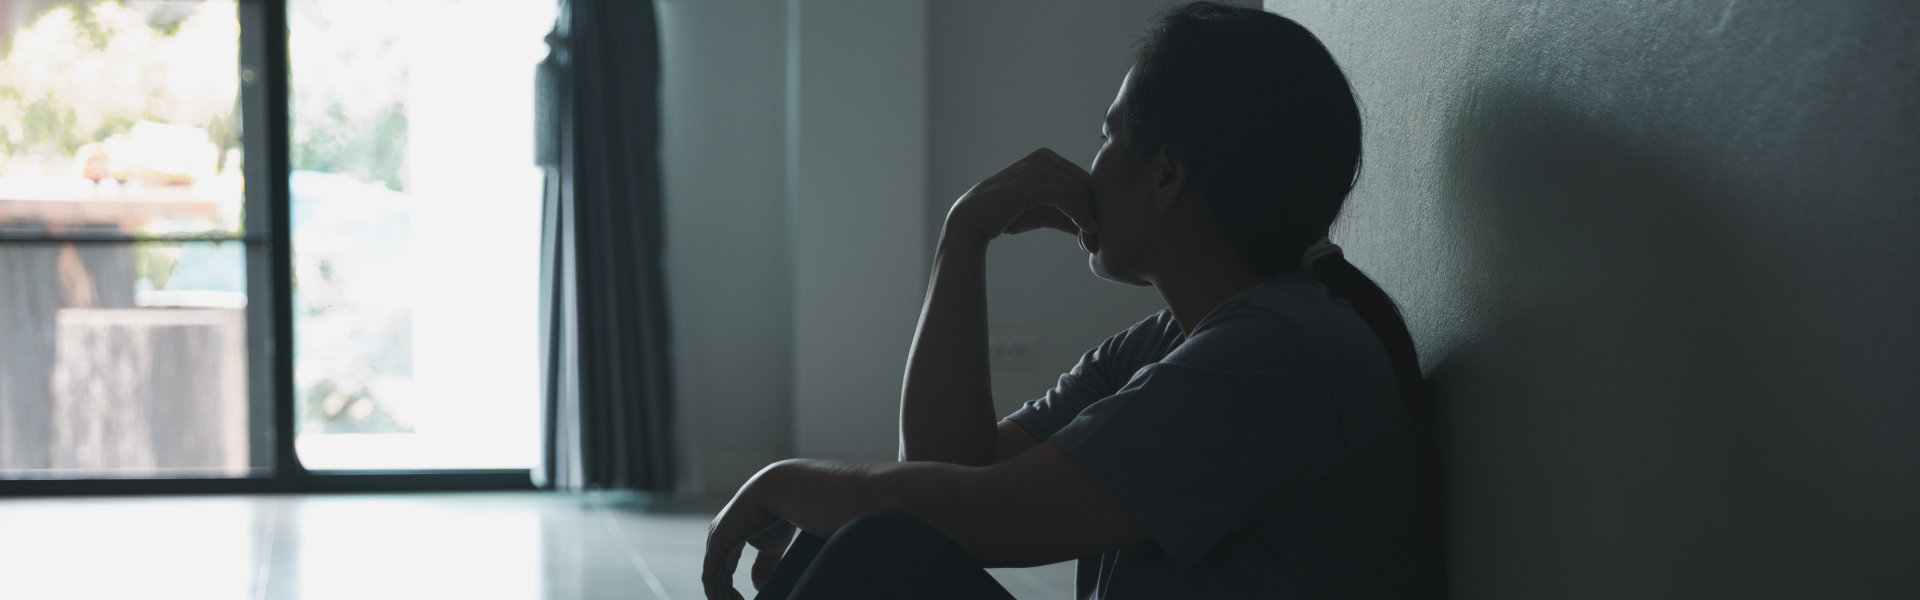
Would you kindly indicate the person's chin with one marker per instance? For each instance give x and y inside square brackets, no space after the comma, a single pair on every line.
[1100,270]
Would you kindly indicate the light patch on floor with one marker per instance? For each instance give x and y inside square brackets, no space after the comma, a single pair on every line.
[444,545]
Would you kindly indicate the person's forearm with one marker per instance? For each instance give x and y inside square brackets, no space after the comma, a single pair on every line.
[946,400]
[1032,510]
[820,496]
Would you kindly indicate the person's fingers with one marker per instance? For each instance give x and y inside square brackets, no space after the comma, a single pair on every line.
[1076,202]
[1044,184]
[771,544]
[716,573]
[1027,220]
[1002,203]
[1043,216]
[1068,167]
[1076,199]
[1044,164]
[708,578]
[709,567]
[733,564]
[718,578]
[1060,221]
[775,537]
[763,565]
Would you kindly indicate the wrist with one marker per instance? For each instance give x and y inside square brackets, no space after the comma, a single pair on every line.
[773,477]
[961,236]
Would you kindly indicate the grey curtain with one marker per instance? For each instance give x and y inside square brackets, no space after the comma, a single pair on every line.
[607,407]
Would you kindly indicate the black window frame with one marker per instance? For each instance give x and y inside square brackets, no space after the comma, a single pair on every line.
[263,71]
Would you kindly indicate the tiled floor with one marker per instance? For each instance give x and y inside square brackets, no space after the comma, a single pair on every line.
[468,546]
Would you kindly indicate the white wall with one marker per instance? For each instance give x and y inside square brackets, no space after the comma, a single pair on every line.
[794,150]
[859,173]
[1660,260]
[1009,76]
[729,272]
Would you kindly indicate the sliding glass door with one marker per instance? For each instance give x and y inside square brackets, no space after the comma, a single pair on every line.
[268,245]
[123,284]
[416,226]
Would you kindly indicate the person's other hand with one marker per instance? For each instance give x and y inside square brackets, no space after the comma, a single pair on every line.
[743,522]
[1041,190]
[769,545]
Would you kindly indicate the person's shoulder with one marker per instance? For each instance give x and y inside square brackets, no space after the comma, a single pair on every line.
[1154,328]
[1274,321]
[1152,332]
[1158,325]
[1141,343]
[1302,299]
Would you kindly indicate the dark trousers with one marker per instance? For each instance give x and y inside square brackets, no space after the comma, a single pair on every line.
[879,557]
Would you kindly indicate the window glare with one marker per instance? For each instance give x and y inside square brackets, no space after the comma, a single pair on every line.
[416,231]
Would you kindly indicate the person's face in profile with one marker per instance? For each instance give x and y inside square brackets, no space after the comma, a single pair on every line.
[1123,200]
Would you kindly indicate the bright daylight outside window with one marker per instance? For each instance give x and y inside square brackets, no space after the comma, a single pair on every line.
[122,272]
[416,224]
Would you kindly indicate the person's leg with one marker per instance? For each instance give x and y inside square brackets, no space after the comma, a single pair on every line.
[882,557]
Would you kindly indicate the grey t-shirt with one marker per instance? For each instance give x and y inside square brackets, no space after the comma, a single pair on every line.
[1269,455]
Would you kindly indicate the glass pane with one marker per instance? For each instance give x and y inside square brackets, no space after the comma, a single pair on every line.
[125,360]
[416,226]
[119,117]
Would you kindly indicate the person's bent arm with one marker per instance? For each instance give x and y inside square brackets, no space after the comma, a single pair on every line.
[946,399]
[1012,440]
[1035,509]
[946,402]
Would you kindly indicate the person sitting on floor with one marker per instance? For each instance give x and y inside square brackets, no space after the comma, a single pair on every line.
[1265,435]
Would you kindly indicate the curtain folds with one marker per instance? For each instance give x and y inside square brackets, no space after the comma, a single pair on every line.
[606,407]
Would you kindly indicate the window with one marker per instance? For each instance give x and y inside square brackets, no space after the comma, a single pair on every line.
[173,205]
[416,233]
[123,288]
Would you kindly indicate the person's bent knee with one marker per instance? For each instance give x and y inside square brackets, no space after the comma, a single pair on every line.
[882,531]
[892,539]
[894,556]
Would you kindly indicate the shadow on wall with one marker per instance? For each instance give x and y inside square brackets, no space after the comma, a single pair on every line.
[1657,404]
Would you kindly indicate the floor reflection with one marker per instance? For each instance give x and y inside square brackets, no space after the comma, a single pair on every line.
[453,545]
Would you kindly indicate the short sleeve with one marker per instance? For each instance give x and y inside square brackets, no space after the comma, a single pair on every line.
[1100,372]
[1194,444]
[1076,390]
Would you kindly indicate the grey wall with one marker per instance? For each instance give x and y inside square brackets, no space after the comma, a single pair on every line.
[1007,77]
[1659,260]
[724,159]
[794,147]
[859,104]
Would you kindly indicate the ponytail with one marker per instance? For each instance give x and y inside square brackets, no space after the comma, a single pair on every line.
[1346,282]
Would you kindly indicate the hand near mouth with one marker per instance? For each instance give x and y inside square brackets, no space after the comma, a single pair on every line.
[1042,190]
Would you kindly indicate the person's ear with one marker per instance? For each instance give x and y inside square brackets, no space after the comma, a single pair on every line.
[1169,178]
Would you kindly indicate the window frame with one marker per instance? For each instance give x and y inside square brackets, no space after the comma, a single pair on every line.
[263,72]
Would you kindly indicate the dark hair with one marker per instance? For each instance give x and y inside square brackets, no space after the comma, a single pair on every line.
[1266,124]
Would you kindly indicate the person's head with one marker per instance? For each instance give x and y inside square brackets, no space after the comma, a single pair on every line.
[1234,128]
